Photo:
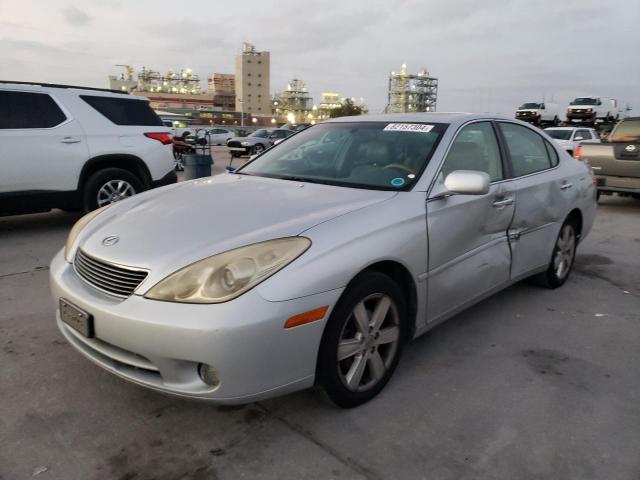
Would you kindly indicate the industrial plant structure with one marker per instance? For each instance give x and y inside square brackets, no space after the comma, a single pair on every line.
[252,81]
[409,92]
[295,103]
[223,88]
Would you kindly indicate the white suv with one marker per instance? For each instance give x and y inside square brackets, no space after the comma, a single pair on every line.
[570,137]
[77,148]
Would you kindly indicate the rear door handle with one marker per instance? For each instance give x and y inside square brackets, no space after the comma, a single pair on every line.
[70,140]
[566,186]
[503,203]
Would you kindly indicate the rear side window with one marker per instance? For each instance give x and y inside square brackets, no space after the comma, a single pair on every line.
[553,154]
[527,149]
[29,110]
[124,111]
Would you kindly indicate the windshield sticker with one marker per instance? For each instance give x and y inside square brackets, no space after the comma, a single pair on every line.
[408,127]
[397,182]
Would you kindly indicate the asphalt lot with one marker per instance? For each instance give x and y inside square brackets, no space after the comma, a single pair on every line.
[531,383]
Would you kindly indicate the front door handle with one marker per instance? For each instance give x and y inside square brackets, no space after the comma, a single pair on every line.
[566,186]
[70,140]
[503,203]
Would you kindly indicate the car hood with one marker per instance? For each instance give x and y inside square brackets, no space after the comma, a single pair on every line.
[167,228]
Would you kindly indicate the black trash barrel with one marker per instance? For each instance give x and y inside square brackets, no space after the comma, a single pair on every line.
[197,165]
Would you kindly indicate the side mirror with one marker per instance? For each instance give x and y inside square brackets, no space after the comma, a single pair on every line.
[467,182]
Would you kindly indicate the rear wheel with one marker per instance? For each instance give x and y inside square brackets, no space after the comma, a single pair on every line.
[362,341]
[108,186]
[562,258]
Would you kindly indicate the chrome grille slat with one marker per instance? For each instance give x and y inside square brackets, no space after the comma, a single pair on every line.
[110,278]
[108,268]
[117,279]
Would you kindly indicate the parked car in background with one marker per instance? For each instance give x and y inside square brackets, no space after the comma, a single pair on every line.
[296,127]
[327,264]
[257,142]
[280,134]
[616,163]
[570,137]
[220,136]
[593,109]
[538,113]
[77,148]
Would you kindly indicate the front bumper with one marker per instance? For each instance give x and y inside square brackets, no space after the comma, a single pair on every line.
[580,116]
[160,344]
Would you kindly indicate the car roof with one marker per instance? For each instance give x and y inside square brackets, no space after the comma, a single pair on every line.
[426,117]
[53,88]
[568,128]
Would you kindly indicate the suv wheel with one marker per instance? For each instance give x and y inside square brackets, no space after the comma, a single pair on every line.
[362,341]
[109,186]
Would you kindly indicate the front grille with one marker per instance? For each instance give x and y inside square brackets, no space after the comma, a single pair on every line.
[108,277]
[234,144]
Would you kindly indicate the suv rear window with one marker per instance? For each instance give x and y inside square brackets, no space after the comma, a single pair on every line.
[29,110]
[626,131]
[124,111]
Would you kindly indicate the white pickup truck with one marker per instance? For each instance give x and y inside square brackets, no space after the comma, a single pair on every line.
[592,110]
[538,113]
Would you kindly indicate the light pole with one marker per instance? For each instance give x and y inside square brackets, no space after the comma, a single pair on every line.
[241,102]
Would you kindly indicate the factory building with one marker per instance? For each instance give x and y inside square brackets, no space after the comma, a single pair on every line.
[252,81]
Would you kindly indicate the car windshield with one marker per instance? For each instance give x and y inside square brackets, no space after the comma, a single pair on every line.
[260,133]
[529,105]
[559,134]
[584,101]
[371,155]
[626,131]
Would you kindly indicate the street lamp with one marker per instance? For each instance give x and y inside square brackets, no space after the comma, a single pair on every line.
[241,102]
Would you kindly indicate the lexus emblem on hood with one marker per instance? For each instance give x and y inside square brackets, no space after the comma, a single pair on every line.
[630,148]
[110,240]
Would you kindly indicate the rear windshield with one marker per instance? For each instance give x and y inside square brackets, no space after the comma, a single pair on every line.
[626,131]
[559,134]
[370,155]
[124,111]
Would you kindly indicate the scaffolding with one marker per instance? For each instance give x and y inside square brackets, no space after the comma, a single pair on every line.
[295,103]
[410,92]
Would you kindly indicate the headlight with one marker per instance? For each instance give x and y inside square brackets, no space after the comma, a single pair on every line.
[77,228]
[246,144]
[228,275]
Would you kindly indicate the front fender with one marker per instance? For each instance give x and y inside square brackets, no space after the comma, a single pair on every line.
[393,230]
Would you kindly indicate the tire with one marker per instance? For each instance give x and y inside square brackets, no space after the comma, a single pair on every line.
[258,149]
[564,250]
[372,355]
[96,185]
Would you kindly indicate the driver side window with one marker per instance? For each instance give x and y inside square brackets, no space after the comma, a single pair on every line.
[475,148]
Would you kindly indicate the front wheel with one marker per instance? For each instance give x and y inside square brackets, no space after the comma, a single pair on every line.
[108,186]
[258,149]
[562,258]
[362,341]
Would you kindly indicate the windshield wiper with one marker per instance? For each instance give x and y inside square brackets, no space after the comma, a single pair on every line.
[296,179]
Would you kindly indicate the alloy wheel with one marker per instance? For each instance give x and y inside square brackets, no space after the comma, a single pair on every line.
[113,191]
[565,249]
[368,343]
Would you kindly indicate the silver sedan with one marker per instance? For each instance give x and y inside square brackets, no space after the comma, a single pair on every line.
[325,255]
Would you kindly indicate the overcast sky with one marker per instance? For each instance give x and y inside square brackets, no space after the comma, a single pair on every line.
[489,55]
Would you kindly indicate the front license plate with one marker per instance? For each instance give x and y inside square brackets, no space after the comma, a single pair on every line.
[76,318]
[237,149]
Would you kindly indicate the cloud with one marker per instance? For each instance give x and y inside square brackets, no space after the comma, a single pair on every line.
[76,17]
